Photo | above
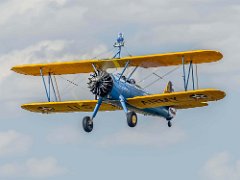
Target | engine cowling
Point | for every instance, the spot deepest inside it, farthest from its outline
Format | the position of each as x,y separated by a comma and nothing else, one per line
100,83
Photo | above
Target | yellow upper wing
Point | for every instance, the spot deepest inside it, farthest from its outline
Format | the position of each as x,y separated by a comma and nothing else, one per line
179,100
68,106
85,66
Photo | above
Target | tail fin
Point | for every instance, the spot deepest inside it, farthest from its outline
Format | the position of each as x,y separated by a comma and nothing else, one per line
169,88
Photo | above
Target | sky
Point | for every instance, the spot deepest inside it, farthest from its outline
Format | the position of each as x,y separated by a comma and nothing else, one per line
201,145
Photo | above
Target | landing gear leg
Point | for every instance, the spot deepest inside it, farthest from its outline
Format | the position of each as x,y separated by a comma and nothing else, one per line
87,122
131,116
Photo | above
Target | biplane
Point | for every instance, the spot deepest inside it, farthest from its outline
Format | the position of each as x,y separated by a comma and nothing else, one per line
115,91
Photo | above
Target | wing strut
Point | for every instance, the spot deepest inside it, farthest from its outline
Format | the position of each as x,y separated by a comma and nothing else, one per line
126,66
44,83
190,72
50,85
55,95
132,73
184,73
196,74
58,93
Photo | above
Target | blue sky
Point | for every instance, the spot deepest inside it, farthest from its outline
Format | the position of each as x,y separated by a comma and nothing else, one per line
201,145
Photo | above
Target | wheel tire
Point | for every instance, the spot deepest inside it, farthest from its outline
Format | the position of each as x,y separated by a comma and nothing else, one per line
169,124
132,119
87,124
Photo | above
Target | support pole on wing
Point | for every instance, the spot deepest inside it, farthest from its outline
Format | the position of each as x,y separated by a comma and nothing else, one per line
184,73
49,86
196,74
58,93
124,69
45,86
118,54
193,81
132,72
54,92
188,75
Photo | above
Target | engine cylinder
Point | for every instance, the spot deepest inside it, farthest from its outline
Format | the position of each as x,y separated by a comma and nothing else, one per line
100,83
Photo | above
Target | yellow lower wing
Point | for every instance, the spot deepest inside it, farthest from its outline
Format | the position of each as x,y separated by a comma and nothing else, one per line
180,100
68,106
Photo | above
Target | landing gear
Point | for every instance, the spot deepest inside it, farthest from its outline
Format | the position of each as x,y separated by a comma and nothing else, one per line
131,116
87,124
169,123
132,119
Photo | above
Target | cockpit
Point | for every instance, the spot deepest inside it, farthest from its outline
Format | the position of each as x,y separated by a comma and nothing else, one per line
130,81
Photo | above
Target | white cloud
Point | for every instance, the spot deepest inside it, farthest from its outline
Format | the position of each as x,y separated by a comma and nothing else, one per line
155,134
26,6
30,30
13,142
42,52
65,135
158,24
221,167
33,167
45,51
14,86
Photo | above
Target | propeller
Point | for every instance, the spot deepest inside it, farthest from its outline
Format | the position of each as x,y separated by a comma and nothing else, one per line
100,83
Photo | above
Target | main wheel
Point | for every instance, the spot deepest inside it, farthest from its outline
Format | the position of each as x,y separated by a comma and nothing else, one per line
132,119
87,124
169,124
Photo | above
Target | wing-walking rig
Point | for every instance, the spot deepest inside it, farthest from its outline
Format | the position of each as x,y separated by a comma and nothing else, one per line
117,92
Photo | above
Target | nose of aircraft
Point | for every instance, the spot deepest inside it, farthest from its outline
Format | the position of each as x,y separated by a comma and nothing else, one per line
100,83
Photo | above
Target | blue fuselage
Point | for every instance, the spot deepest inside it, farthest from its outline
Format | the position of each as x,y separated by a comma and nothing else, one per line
129,90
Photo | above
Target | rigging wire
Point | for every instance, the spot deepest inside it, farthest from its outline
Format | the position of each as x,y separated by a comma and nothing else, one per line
128,71
95,57
160,77
146,77
129,54
75,78
71,82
